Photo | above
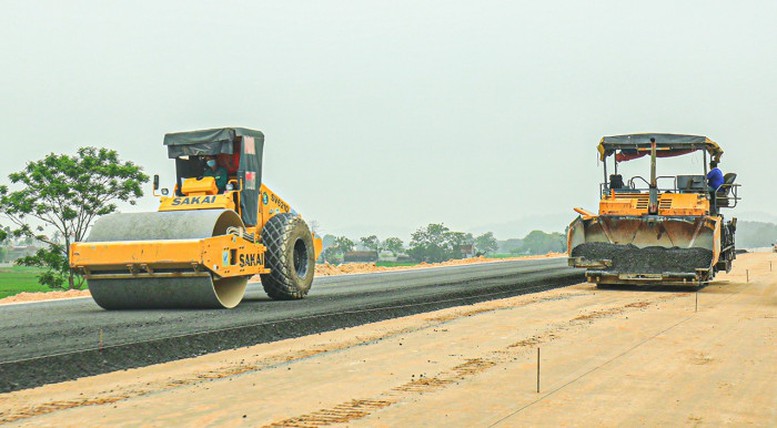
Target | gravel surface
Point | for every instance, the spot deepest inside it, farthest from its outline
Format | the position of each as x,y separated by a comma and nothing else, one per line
54,341
631,259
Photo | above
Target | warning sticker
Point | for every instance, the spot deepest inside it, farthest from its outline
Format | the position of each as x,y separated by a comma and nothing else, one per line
250,180
249,147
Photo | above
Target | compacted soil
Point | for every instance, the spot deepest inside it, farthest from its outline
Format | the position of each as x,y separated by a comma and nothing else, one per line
614,357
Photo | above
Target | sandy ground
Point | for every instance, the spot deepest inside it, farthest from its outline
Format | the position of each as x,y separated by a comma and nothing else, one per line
608,358
321,270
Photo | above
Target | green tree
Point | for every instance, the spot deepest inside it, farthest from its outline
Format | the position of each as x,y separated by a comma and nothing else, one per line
486,243
340,245
539,242
394,244
67,193
456,240
437,243
344,245
331,255
371,243
429,244
5,240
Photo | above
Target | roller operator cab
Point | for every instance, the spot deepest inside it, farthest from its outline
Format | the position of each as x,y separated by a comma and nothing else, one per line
659,230
220,226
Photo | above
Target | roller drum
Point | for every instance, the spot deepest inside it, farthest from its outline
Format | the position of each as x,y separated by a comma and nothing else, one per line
187,290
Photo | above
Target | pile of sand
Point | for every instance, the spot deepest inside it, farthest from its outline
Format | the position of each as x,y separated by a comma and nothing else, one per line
31,297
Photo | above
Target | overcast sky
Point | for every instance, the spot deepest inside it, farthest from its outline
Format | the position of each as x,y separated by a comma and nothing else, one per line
383,116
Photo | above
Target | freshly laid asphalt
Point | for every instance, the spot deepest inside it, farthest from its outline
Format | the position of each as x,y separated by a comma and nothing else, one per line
54,341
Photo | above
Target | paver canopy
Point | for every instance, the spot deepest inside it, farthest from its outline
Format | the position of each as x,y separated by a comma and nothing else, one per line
633,146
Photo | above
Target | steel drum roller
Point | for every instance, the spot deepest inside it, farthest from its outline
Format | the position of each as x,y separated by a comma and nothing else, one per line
184,289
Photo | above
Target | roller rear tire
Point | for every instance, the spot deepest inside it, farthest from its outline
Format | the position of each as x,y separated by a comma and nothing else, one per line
290,257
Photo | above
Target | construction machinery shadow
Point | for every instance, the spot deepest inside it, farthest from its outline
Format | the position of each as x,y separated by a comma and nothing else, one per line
656,288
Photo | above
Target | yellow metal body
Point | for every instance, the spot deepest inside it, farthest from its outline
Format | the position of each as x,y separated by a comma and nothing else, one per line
683,220
224,255
669,204
654,235
197,187
270,204
198,202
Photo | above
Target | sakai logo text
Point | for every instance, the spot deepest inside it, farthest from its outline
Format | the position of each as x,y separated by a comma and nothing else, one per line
193,200
249,260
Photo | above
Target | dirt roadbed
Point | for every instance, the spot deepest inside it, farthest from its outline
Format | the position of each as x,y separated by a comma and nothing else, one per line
608,357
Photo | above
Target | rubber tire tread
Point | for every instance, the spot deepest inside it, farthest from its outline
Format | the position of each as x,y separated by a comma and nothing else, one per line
279,235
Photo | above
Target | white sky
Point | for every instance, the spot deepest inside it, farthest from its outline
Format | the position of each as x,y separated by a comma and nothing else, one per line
384,116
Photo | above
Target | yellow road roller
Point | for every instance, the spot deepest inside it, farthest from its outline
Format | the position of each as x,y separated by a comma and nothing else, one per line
220,226
659,230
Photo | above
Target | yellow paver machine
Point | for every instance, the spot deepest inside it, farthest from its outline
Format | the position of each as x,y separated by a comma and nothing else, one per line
666,230
204,243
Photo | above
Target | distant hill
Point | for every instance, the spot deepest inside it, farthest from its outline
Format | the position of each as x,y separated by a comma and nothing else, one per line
754,234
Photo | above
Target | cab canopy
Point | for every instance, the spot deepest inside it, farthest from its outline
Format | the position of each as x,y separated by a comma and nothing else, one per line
210,141
633,146
238,150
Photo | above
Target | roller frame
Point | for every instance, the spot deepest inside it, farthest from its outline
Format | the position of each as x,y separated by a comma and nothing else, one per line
220,255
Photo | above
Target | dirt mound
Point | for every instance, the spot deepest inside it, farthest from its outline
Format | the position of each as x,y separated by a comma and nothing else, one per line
32,297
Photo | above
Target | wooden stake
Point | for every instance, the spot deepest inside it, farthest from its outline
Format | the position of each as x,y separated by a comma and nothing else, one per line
100,344
747,272
538,370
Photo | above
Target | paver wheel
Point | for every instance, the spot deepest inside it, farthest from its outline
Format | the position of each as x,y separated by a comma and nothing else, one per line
290,257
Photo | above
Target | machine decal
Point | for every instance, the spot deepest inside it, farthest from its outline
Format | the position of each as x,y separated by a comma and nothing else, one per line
284,206
194,200
249,260
265,198
225,258
249,147
250,180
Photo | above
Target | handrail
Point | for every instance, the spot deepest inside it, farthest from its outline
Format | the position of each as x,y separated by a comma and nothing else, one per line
734,196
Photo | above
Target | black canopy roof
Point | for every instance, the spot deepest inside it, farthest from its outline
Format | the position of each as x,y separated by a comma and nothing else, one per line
668,144
248,142
207,141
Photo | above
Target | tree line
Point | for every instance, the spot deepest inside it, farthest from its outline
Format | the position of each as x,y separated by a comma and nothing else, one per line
436,243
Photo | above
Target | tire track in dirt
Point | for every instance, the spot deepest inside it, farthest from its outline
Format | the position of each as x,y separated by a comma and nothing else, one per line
246,367
469,368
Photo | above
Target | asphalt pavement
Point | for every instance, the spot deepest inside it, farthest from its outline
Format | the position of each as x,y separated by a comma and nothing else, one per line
53,341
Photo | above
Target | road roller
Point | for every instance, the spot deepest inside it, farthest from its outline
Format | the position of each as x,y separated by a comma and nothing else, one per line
219,227
660,230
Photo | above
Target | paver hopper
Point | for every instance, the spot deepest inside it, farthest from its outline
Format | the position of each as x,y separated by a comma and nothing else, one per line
204,243
651,234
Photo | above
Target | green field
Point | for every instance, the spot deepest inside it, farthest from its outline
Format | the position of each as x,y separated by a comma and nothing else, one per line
16,279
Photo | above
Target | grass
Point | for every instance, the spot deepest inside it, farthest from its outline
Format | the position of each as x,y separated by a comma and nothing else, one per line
17,279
